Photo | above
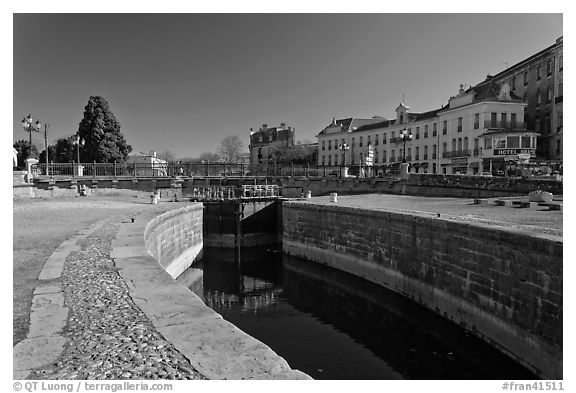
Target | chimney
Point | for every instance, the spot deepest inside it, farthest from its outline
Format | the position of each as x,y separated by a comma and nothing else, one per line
461,90
282,125
264,127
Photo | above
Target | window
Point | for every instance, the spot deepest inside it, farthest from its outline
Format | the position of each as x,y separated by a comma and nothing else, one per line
503,120
514,84
335,159
384,139
526,142
549,68
368,140
384,156
444,147
454,144
392,156
513,142
493,120
538,97
329,145
375,156
323,160
487,143
459,124
417,132
445,127
513,120
548,95
392,135
434,152
329,160
434,129
499,142
409,154
360,142
353,142
376,140
538,75
537,125
547,124
426,131
525,75
558,147
560,61
417,153
323,145
476,121
465,143
459,144
476,146
425,152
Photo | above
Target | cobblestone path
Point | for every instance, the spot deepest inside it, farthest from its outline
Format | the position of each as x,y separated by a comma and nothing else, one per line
110,338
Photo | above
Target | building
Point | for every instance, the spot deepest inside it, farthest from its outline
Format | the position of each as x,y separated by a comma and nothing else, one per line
538,80
480,130
148,164
264,141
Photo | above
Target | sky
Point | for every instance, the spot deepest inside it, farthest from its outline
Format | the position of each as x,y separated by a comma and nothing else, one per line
182,82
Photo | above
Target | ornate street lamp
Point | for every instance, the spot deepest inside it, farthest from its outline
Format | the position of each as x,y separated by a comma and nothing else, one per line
78,142
405,136
344,147
30,126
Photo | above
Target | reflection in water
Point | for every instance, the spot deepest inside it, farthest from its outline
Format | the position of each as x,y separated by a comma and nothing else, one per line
332,325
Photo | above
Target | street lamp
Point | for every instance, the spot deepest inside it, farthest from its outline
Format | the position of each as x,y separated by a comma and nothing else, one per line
344,147
78,142
29,126
405,136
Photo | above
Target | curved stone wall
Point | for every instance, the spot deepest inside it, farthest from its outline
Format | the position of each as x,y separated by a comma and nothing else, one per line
174,238
502,285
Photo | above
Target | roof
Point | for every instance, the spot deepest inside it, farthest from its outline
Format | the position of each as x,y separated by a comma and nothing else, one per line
427,115
380,124
351,124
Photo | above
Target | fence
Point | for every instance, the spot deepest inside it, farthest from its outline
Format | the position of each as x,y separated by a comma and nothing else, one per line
199,170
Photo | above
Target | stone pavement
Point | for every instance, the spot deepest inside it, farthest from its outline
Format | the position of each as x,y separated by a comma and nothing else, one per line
84,324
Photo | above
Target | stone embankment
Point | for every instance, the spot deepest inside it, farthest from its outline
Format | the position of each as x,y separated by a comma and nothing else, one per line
501,283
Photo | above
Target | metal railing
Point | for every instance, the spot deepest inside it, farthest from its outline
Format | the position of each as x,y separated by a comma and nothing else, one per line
457,153
198,170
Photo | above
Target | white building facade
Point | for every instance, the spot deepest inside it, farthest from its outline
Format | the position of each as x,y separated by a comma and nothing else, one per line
479,130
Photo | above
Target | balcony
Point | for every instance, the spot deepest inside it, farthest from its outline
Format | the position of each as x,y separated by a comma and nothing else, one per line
457,153
396,139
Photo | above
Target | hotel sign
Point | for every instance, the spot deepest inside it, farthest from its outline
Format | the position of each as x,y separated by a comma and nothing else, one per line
511,152
460,161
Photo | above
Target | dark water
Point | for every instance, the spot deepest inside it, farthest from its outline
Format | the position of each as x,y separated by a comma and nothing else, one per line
332,325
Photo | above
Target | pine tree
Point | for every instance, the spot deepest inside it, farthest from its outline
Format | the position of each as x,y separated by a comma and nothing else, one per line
101,132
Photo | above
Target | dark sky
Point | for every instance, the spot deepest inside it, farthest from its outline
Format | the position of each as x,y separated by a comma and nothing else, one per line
183,82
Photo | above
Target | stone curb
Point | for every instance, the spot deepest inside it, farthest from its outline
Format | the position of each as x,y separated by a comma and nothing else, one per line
48,315
215,348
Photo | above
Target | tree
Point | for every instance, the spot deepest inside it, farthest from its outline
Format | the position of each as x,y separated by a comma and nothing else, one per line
230,149
101,132
24,152
51,154
208,156
297,154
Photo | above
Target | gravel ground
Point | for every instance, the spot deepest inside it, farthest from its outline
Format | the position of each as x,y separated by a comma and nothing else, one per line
110,338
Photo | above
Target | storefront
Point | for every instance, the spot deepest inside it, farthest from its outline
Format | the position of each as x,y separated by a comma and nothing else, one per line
508,152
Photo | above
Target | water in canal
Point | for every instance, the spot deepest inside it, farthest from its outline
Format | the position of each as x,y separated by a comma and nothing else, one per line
332,325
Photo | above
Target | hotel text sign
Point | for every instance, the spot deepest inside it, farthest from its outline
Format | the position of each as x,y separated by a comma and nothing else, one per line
510,152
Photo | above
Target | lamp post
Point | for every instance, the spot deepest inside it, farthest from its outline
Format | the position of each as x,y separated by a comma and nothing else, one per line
78,142
405,136
344,147
30,126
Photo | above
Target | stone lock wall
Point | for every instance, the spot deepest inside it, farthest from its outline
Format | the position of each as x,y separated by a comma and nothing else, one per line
503,286
175,238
